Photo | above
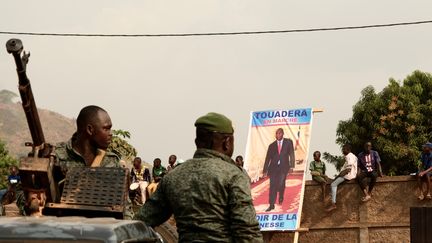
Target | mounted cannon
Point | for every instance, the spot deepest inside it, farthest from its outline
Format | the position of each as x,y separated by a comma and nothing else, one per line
36,170
46,189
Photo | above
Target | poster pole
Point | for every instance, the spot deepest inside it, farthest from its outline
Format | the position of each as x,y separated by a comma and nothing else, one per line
247,141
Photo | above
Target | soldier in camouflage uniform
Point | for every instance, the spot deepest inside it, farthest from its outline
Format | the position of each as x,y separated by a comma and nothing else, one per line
209,195
68,157
87,146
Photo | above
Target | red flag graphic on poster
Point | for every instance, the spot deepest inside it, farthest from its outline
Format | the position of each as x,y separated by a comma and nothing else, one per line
276,158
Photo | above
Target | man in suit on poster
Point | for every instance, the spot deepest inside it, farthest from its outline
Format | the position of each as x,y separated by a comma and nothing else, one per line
279,161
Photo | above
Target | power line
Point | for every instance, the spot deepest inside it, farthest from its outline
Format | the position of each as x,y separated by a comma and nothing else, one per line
221,33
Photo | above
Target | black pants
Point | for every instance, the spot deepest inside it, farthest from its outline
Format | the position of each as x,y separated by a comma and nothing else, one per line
363,179
277,185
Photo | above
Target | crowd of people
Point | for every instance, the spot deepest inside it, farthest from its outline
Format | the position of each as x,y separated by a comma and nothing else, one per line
143,183
365,168
209,195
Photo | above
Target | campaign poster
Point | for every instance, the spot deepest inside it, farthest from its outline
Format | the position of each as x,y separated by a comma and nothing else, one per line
276,159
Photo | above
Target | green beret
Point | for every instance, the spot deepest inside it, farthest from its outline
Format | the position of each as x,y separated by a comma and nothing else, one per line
215,122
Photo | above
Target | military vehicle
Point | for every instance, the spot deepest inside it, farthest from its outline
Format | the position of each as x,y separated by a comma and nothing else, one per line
79,207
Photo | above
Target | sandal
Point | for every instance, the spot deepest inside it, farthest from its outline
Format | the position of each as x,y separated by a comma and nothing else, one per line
428,196
421,197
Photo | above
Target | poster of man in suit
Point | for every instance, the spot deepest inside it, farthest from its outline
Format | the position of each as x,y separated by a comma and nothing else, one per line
276,156
278,162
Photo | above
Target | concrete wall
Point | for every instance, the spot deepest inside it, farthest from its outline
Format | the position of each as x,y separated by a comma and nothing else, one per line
385,218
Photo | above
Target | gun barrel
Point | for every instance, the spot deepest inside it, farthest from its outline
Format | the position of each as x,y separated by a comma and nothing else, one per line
15,47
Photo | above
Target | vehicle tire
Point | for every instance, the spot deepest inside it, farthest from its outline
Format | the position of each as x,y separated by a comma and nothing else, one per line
167,232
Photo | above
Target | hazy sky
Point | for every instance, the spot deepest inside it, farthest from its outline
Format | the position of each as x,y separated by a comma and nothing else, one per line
156,87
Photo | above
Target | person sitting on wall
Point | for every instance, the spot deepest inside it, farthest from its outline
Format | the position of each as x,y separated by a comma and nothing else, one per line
369,164
140,177
318,169
348,172
158,172
425,171
172,163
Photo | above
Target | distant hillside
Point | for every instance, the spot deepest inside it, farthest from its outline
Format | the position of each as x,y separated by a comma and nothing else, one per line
14,129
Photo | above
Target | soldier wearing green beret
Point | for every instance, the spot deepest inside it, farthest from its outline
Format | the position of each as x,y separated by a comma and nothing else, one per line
209,195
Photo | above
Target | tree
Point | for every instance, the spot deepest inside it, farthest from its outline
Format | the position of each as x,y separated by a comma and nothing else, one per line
120,146
337,160
397,120
6,162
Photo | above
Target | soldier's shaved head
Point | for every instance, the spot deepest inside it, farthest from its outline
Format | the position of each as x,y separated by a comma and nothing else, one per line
93,132
88,115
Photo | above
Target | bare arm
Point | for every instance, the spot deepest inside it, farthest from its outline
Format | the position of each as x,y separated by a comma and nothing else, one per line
315,173
344,172
378,160
425,171
380,173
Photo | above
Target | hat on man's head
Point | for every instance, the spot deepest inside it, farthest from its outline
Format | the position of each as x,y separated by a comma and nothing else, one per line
215,122
428,145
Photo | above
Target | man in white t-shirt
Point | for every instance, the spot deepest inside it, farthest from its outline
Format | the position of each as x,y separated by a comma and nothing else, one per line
348,172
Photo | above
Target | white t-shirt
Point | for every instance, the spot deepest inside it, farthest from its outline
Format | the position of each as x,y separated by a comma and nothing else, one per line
350,163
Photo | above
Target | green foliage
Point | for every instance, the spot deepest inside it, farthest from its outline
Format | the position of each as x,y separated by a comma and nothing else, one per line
121,133
120,146
337,161
6,162
396,120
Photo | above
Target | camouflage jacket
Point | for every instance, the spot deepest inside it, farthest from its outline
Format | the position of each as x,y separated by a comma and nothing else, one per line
67,157
210,198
